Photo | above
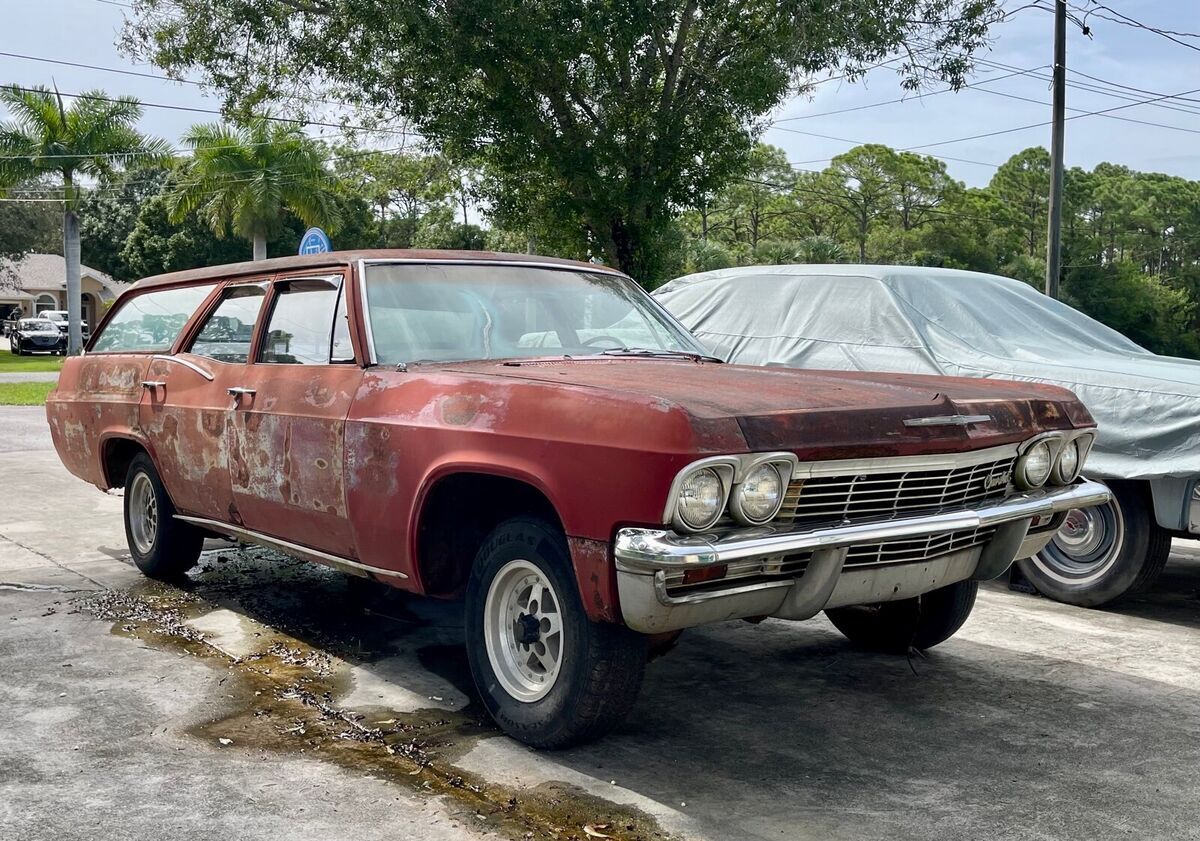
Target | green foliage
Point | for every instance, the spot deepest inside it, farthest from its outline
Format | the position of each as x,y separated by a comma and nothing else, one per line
242,177
605,115
25,227
1144,308
109,214
94,137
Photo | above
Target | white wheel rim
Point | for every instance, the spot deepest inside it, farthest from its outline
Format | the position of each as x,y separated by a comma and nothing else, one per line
523,631
143,513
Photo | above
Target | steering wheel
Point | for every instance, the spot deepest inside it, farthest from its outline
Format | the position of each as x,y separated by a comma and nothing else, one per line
604,338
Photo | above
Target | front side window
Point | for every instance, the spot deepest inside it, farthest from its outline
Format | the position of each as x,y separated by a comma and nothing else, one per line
446,312
151,321
229,330
304,324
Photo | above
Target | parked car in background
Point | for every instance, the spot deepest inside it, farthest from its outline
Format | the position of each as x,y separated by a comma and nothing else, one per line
61,319
538,436
941,321
36,335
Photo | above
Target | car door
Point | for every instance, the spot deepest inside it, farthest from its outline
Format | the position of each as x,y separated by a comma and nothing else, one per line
289,421
187,405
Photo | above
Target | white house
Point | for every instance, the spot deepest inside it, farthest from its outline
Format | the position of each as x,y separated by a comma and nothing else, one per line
40,284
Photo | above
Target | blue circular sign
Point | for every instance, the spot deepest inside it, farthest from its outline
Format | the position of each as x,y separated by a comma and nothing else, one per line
315,241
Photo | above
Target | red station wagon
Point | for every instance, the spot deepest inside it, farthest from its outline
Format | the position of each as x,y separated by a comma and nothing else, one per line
540,437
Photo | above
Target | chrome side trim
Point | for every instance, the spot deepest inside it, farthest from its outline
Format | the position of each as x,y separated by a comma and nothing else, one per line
186,364
345,564
366,311
651,550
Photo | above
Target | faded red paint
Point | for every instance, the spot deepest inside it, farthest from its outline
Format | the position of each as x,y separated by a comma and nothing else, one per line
340,458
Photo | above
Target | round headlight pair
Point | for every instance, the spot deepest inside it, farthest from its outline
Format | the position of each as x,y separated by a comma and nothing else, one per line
755,500
1039,465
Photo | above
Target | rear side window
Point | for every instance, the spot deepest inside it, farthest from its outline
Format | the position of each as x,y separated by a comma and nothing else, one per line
228,332
151,321
307,326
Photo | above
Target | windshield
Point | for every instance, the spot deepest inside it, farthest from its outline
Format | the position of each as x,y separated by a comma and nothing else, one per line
434,312
37,326
55,315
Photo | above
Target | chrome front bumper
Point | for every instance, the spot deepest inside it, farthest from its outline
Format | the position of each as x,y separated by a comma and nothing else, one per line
645,556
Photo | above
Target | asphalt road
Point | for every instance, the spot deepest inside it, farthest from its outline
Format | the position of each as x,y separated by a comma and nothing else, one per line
275,699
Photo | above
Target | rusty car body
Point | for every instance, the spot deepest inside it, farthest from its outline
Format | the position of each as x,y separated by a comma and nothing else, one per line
539,436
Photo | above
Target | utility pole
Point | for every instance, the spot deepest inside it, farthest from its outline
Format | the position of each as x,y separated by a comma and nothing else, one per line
1054,232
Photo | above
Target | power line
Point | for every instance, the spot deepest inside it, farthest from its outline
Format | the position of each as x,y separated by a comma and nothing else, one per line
901,99
290,120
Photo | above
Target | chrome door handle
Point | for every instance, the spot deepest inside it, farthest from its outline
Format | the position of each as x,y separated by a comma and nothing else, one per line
153,384
238,391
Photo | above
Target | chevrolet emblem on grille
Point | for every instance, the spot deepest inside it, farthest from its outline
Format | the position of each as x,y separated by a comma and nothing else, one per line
949,420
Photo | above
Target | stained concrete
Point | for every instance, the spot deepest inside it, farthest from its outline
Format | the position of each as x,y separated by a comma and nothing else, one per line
1038,721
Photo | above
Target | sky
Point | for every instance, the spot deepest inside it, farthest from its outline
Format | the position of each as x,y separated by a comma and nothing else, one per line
85,31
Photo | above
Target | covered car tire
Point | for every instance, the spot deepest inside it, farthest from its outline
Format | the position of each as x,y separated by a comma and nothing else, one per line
897,627
161,546
547,675
1103,554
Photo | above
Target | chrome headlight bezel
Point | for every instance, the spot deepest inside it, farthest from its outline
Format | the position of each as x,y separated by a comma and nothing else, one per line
732,470
737,506
1057,443
1021,475
721,478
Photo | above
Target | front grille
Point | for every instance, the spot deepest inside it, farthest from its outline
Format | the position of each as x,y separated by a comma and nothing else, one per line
915,549
866,496
870,496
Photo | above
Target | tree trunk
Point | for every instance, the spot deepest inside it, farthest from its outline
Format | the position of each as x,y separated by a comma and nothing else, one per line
74,298
260,247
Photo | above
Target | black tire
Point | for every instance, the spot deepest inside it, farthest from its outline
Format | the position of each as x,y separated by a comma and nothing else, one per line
900,626
600,665
172,547
1104,554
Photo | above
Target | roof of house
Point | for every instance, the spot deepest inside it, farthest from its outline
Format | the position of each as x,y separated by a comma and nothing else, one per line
343,258
38,272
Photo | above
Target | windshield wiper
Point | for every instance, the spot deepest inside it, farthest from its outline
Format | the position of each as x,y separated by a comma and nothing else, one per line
661,354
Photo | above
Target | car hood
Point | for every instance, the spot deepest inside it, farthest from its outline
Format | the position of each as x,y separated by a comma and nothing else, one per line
841,414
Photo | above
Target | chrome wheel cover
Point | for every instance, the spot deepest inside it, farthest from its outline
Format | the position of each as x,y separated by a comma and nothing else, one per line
143,514
1086,545
523,631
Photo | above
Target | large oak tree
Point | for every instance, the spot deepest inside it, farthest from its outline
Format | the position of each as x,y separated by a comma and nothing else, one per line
613,112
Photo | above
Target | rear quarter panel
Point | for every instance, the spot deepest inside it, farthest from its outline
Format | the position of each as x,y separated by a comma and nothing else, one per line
96,399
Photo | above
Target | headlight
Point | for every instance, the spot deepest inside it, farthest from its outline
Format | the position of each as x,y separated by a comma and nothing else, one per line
701,499
1033,468
1069,463
758,497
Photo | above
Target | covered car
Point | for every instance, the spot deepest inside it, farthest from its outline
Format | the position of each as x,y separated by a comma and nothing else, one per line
944,321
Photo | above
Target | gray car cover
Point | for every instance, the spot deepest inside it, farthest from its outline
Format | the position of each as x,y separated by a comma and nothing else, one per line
942,321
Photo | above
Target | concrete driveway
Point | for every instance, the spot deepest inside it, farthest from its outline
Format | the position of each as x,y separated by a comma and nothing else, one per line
269,698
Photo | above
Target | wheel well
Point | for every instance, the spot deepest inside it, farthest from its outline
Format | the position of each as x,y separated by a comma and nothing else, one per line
458,513
118,453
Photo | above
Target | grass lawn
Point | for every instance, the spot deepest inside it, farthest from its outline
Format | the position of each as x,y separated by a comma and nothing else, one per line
11,364
24,394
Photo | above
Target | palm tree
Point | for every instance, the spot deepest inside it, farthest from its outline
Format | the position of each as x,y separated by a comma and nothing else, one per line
93,138
244,176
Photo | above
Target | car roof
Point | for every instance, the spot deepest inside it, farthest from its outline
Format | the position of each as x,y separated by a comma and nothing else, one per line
339,259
